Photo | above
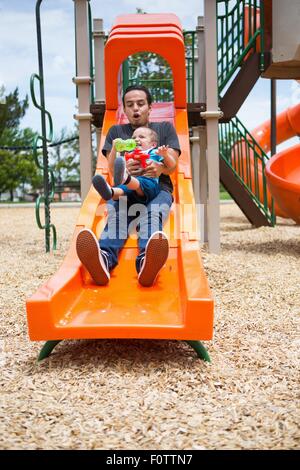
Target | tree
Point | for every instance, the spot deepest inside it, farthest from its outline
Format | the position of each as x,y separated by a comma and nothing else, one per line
152,70
12,110
17,165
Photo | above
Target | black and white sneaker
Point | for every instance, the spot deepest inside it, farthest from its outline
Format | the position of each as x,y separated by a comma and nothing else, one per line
156,254
120,172
92,258
102,187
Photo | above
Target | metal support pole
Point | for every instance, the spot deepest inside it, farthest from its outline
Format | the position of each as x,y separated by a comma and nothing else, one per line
203,185
195,153
201,60
273,116
202,178
99,37
83,81
212,115
199,171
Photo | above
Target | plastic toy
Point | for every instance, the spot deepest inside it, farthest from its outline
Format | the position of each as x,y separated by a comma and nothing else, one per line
138,154
125,145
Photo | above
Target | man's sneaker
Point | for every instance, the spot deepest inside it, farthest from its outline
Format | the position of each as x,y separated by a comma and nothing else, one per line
120,172
156,254
92,258
102,187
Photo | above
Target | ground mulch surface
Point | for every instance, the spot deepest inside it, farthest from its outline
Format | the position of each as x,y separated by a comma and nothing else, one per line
119,394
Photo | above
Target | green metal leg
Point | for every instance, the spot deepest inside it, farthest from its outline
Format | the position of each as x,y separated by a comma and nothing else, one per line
200,350
47,349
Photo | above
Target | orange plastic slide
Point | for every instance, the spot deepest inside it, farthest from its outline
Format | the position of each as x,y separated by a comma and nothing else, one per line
180,305
283,169
283,180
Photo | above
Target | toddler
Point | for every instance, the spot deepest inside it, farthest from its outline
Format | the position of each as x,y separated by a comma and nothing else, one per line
143,188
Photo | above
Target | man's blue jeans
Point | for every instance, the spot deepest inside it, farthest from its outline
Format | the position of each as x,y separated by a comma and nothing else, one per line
124,216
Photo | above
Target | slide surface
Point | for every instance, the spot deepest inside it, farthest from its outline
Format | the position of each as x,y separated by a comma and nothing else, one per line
178,306
283,169
283,179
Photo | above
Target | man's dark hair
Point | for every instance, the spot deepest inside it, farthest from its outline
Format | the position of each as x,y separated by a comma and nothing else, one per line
141,88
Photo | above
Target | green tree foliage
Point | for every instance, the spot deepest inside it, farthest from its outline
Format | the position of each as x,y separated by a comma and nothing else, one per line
153,71
11,110
17,167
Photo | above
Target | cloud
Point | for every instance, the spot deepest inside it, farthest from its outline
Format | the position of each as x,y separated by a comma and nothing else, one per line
61,108
295,92
19,60
186,11
18,51
256,108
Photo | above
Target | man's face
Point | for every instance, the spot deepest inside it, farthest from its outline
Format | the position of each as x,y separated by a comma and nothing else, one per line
136,108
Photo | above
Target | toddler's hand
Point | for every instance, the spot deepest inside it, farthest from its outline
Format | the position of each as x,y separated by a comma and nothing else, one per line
162,150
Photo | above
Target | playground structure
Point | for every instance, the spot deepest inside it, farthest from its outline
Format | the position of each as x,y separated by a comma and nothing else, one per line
69,305
283,170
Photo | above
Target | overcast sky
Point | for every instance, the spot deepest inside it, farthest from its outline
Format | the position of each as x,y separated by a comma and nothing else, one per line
18,53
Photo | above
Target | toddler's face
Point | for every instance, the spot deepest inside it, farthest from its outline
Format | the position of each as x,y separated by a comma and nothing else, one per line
143,138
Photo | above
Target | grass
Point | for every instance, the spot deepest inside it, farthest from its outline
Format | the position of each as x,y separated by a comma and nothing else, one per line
224,195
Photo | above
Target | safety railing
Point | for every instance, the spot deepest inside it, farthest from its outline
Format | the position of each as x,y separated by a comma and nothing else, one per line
240,30
161,89
247,160
190,38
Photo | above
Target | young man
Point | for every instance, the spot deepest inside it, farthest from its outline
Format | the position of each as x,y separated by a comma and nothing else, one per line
101,257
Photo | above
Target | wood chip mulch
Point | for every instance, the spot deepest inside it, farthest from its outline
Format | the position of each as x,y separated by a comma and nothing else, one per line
134,394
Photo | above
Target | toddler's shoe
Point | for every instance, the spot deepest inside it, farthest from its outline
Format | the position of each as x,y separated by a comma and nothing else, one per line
92,258
102,187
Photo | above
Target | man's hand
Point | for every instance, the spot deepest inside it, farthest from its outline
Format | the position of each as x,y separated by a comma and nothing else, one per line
134,167
153,169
